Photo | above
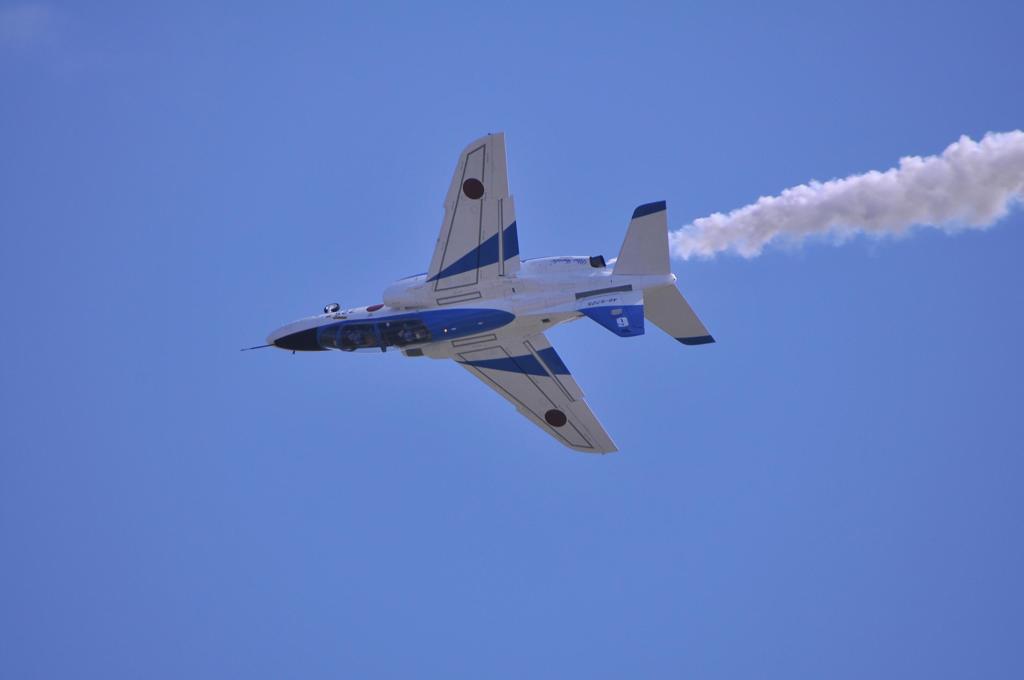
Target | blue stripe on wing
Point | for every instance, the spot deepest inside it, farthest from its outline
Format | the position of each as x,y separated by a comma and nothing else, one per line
484,254
526,363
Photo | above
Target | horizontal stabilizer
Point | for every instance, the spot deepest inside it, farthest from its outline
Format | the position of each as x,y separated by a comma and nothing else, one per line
667,309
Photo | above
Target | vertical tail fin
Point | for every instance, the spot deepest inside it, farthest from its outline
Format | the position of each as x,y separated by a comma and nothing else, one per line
645,249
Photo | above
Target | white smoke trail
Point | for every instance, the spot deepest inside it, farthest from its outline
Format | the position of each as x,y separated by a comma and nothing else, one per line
970,186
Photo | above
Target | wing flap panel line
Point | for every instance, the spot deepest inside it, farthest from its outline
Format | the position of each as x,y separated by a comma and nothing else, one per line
509,238
552,365
501,238
464,297
474,340
539,343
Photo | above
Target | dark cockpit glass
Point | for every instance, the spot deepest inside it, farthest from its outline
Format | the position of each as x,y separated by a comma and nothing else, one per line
402,333
349,337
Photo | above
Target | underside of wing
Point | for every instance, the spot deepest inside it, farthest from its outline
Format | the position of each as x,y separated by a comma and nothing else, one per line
478,241
529,373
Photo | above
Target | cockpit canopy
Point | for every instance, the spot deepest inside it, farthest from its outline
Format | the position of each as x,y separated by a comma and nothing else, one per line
350,336
331,308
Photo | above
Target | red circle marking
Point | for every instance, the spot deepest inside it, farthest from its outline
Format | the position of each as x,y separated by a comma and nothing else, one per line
473,188
555,418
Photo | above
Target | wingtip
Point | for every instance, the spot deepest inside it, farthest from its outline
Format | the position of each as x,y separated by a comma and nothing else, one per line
490,137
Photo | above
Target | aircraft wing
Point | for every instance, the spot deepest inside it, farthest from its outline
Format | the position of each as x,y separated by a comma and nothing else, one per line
478,240
529,373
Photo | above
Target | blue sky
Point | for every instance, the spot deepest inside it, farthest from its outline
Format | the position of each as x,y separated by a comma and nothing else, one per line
831,490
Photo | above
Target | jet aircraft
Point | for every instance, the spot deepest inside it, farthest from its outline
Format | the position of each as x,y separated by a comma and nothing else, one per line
485,308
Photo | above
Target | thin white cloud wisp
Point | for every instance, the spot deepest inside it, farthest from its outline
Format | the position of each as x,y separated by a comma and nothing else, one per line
28,24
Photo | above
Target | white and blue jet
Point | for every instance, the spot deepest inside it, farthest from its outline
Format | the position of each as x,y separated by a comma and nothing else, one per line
486,309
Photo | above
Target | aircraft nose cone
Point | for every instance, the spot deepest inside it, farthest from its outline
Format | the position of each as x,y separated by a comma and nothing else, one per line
299,341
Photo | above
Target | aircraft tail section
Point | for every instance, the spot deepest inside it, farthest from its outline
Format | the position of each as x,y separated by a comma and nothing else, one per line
645,249
624,317
667,309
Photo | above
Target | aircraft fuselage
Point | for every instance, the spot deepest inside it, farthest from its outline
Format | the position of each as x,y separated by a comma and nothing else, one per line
544,293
